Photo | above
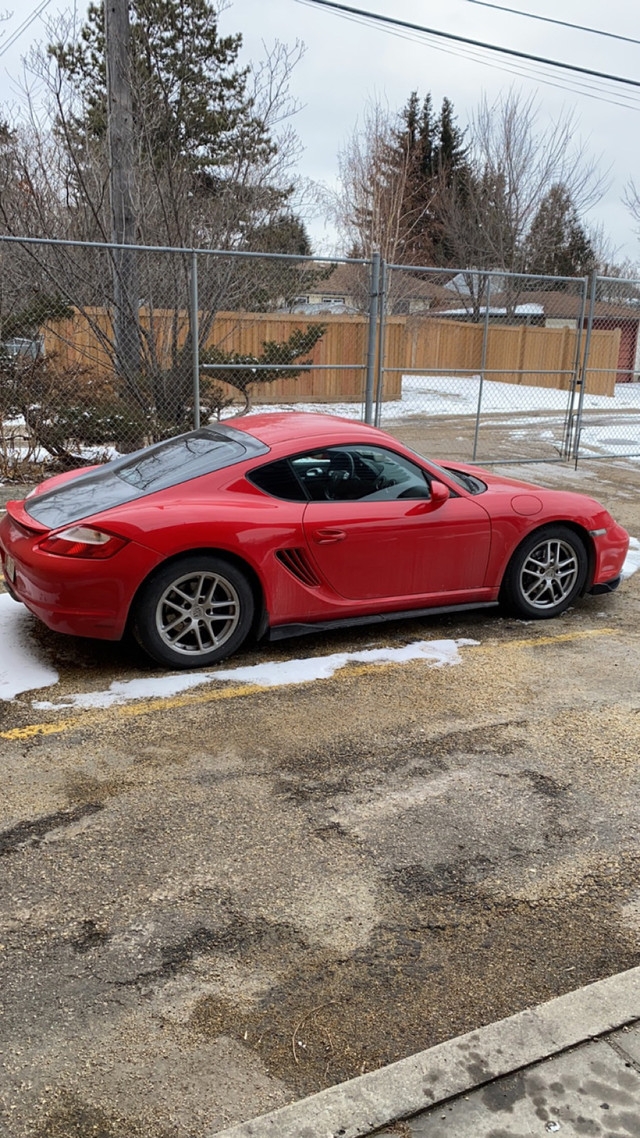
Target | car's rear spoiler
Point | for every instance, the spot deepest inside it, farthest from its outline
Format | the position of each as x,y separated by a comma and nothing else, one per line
17,512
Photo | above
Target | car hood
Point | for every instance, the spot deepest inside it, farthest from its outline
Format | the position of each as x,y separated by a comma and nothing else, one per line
524,495
494,481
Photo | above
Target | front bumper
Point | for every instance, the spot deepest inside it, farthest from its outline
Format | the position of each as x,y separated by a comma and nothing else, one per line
610,549
605,587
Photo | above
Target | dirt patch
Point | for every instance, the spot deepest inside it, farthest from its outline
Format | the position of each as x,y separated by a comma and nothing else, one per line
447,958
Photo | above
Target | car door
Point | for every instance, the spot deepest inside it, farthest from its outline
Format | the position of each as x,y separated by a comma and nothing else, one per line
376,530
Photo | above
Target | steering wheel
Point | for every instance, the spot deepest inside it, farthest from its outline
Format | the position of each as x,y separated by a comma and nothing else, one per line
340,474
383,483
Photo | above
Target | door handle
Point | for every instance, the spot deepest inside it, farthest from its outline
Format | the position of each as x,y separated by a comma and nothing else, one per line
328,536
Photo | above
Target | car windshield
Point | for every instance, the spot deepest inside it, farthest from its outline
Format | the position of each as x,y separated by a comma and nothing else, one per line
468,482
133,476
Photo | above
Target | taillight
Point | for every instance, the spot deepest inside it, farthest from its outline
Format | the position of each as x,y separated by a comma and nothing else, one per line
83,541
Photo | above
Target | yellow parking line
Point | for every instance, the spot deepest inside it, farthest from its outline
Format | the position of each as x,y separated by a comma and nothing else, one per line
533,641
146,707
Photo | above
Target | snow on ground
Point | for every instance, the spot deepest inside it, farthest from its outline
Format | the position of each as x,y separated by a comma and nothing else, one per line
37,455
270,674
455,395
632,560
21,665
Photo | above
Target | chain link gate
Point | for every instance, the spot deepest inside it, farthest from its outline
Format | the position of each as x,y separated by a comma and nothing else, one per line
611,359
481,366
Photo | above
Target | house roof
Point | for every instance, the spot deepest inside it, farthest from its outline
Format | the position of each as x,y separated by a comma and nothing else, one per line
347,279
518,310
560,305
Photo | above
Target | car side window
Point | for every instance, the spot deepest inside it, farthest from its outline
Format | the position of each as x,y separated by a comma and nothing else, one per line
345,473
359,473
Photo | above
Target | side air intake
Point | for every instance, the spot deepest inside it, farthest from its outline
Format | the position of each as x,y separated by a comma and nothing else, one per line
295,560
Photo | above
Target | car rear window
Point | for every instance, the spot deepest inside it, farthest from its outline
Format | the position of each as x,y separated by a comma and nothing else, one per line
133,476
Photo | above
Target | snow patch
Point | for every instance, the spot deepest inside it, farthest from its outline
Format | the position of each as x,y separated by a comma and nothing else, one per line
21,666
436,653
458,395
632,560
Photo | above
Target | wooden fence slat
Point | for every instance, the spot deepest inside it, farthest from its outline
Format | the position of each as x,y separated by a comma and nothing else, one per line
520,354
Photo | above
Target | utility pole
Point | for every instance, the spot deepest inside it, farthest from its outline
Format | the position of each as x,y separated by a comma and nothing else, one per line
121,185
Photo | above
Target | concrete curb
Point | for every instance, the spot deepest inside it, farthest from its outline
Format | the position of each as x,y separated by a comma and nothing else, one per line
361,1105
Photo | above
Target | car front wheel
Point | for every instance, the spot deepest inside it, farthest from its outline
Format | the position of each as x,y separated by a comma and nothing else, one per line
194,612
546,573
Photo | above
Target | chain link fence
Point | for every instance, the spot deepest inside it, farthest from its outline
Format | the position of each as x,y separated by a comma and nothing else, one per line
105,348
610,428
490,363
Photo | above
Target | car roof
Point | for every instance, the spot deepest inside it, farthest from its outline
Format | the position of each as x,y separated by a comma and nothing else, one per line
281,427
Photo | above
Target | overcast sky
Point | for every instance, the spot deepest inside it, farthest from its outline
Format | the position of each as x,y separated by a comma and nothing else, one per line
347,63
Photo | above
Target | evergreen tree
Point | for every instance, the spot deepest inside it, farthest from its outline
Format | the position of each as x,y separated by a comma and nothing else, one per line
285,234
208,169
433,148
190,97
450,153
426,138
557,244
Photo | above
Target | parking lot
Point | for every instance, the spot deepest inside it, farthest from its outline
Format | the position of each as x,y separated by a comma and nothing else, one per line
219,899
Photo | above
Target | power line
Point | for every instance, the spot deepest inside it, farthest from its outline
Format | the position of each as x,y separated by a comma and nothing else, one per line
550,20
377,17
562,82
529,71
15,35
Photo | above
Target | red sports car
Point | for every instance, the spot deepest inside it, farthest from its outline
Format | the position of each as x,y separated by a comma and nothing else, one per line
288,523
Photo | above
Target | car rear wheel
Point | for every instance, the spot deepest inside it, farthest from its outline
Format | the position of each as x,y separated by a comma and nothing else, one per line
546,573
194,612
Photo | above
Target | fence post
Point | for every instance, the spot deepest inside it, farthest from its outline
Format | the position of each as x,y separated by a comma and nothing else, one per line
382,329
585,364
485,337
194,328
371,349
575,379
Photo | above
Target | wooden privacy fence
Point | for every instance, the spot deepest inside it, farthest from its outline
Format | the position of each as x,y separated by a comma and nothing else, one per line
520,354
85,339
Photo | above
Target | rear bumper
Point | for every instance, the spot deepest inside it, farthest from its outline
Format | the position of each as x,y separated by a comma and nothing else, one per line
9,587
74,596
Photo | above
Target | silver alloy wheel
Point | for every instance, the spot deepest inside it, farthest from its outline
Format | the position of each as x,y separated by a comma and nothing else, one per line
549,573
197,613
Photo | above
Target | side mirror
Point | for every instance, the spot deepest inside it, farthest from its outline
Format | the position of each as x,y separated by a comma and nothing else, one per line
439,494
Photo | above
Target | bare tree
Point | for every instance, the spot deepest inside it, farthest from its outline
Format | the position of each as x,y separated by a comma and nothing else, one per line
631,199
516,161
372,207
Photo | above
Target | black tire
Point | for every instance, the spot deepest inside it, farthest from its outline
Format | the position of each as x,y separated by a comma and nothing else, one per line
546,573
217,606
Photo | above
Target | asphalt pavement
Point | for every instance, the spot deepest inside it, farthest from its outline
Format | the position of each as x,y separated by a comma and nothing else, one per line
218,901
569,1066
